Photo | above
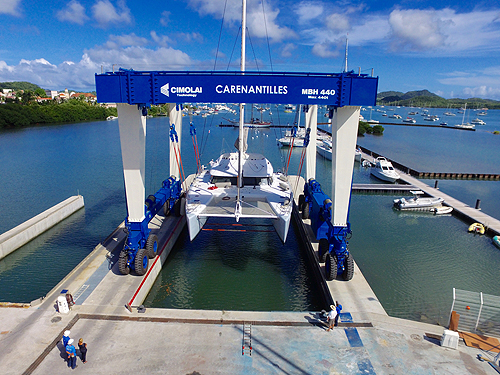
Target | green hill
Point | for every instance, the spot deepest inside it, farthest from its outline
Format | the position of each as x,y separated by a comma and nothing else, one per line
19,86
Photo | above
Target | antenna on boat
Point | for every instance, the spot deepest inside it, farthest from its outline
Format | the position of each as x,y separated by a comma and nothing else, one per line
346,43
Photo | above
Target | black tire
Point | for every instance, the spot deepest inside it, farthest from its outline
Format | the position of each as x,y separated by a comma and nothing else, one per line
348,272
141,262
152,246
330,267
122,263
302,200
166,208
305,211
323,249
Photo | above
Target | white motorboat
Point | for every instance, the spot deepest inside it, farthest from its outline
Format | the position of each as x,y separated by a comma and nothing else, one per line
324,148
240,185
410,120
417,202
478,121
384,170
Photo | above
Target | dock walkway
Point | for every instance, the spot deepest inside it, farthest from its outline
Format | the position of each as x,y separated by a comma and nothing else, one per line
460,209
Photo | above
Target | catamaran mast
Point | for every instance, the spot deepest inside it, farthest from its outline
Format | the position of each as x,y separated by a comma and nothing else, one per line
242,111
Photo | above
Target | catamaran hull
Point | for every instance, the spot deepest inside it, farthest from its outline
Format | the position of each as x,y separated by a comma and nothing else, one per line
281,225
195,224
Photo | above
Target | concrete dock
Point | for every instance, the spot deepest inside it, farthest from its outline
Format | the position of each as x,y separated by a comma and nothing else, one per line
367,341
25,232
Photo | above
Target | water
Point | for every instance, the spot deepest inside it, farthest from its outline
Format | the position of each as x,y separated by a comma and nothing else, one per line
412,262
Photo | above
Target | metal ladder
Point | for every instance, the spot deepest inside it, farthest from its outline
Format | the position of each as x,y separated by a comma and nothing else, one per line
247,339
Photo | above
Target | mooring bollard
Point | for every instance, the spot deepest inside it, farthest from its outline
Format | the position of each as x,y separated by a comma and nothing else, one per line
436,184
478,204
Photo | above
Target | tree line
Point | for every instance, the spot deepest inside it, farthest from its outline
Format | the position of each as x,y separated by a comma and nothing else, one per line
26,112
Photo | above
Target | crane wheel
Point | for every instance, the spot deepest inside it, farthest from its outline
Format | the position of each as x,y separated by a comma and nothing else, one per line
305,211
348,272
141,262
302,201
122,263
323,249
152,246
330,267
166,208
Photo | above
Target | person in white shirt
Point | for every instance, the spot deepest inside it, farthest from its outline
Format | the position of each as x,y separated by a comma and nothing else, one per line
331,317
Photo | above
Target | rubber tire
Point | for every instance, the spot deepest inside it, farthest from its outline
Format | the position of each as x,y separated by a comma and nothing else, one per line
330,267
348,272
122,263
152,246
141,262
302,201
166,208
305,211
323,249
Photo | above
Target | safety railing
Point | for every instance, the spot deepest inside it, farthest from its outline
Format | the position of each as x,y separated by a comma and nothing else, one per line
479,312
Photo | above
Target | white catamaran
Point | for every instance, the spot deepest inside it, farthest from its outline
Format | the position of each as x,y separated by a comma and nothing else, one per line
240,184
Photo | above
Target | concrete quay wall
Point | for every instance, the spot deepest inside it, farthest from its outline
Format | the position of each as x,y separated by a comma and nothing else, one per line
25,232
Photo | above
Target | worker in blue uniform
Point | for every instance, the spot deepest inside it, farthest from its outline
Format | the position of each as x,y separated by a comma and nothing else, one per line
70,350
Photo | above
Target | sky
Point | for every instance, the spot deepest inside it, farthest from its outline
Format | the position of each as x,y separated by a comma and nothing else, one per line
451,48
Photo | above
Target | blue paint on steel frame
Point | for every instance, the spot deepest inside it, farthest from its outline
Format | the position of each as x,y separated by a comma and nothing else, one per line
138,232
320,213
140,87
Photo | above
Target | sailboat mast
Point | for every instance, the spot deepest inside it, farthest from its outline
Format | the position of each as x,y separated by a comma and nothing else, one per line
242,105
345,69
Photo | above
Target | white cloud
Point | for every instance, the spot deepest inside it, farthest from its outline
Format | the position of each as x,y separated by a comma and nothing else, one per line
324,50
191,37
107,14
161,40
308,11
288,49
416,30
338,22
484,83
74,12
126,51
165,18
10,7
259,25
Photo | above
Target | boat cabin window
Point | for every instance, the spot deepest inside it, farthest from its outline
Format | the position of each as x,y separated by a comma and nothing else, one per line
222,180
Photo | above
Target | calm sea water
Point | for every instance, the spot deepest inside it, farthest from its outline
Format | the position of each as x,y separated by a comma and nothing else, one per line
411,262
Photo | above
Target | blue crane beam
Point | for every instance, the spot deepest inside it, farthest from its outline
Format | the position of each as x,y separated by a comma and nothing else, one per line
159,87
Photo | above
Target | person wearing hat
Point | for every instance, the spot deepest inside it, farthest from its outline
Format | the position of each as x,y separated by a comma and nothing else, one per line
332,315
70,350
65,338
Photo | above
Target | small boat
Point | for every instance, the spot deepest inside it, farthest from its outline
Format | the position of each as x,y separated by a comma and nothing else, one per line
384,170
416,202
357,155
109,118
410,120
441,210
496,241
478,121
477,228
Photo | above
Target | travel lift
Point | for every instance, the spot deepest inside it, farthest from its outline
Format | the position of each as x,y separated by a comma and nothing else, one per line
134,91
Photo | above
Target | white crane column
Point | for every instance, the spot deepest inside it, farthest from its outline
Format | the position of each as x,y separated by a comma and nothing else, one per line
344,132
312,123
175,117
132,126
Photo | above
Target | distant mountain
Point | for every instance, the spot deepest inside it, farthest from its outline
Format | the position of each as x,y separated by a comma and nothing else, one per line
19,86
425,98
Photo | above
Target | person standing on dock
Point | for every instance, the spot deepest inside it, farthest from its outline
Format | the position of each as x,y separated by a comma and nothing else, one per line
70,350
83,350
338,309
65,338
332,316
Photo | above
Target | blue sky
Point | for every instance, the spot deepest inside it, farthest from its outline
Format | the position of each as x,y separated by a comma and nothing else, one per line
451,48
